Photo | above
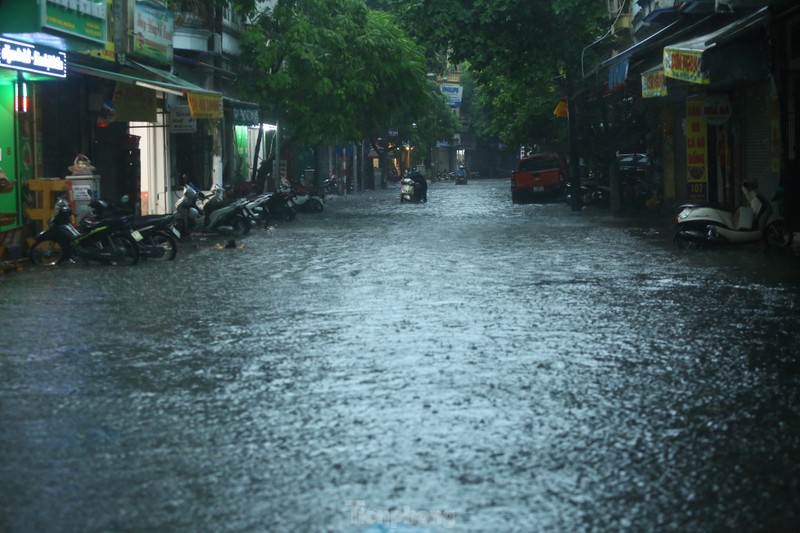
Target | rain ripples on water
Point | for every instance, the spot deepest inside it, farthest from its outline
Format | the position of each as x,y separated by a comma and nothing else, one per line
466,364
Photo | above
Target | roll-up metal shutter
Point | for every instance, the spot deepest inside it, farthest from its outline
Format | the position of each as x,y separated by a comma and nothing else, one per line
755,134
679,148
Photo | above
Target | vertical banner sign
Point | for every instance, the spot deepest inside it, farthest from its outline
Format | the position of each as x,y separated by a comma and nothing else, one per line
696,150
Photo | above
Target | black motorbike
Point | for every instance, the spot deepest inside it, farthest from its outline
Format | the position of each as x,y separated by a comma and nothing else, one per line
107,241
156,235
282,206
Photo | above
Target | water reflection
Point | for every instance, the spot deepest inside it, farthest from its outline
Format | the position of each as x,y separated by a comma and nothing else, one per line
523,367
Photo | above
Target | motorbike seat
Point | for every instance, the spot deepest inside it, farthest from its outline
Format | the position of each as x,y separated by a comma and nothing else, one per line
115,221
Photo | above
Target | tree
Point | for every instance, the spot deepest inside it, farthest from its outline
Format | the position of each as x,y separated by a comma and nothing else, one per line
519,52
332,70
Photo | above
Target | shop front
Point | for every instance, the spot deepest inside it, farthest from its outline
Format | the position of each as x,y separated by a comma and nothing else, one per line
23,67
722,82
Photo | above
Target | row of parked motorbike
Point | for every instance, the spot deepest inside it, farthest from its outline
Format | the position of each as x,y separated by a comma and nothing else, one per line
702,225
111,234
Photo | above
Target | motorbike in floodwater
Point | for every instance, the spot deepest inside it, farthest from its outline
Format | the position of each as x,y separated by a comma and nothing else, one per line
257,204
156,235
305,197
407,193
413,190
213,215
702,225
107,241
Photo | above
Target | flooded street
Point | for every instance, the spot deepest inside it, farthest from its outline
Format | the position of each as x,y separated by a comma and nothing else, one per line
461,365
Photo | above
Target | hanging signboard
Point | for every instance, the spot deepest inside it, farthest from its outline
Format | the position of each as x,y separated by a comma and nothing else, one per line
654,84
180,120
686,65
696,150
133,103
205,105
716,109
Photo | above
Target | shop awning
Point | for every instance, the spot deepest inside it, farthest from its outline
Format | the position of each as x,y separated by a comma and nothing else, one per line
202,102
686,60
648,43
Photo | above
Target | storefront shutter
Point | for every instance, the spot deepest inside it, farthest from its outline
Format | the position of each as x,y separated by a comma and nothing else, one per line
755,134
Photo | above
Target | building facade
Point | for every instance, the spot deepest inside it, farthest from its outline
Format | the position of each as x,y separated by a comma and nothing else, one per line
144,91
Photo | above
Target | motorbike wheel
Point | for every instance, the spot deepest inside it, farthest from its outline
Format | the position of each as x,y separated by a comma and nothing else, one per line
241,226
124,249
163,240
778,235
47,252
315,206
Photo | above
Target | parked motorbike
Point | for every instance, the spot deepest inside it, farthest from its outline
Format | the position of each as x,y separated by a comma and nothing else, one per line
331,185
281,206
702,225
591,194
107,241
305,197
213,215
156,235
258,205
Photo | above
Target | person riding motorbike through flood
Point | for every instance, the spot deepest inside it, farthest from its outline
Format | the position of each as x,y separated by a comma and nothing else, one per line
420,185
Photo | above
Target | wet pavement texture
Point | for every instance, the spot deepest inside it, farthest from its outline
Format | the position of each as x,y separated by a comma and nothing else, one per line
461,365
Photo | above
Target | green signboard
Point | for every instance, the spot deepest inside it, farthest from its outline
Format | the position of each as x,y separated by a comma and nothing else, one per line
81,18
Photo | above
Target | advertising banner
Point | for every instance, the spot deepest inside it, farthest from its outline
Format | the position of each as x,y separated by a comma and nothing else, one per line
452,94
22,56
134,104
654,84
205,105
686,65
696,150
153,26
86,19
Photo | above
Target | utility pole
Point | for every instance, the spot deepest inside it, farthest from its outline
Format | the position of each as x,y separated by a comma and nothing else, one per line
572,147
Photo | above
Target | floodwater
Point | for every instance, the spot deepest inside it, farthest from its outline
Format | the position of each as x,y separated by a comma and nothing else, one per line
461,365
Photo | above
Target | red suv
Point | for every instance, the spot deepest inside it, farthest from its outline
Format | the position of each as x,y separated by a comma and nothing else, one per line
542,174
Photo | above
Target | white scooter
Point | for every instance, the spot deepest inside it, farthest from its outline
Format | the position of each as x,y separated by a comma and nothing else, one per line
213,216
699,225
407,193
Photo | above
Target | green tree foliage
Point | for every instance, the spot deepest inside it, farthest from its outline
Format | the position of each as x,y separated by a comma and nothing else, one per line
333,70
520,53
